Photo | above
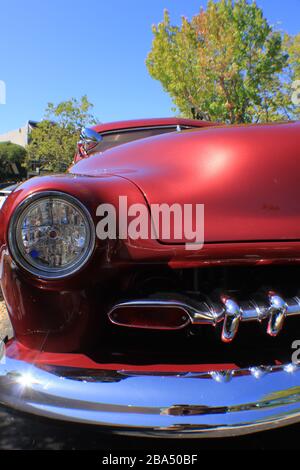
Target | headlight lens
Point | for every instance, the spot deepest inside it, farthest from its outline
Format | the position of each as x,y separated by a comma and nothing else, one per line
51,235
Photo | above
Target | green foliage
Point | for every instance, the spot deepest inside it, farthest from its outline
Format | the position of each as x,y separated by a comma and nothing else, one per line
11,154
225,64
53,141
292,87
292,46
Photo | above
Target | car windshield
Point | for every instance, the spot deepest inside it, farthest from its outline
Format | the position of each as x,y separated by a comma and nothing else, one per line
112,139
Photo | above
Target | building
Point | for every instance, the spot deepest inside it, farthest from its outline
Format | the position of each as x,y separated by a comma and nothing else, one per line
19,136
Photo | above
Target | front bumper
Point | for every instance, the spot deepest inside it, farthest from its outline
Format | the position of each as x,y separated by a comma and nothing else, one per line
147,404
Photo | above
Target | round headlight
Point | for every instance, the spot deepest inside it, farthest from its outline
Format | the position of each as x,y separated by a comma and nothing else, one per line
51,235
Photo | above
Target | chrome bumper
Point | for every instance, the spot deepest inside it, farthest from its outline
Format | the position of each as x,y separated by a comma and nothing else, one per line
215,404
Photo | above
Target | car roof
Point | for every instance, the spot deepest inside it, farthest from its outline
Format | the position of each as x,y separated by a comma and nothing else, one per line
153,122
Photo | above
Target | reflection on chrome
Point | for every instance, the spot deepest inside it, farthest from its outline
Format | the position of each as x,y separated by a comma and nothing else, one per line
51,234
26,380
172,404
290,368
222,377
2,352
259,372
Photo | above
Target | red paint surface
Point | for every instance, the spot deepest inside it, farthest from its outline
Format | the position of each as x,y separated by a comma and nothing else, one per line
247,176
16,350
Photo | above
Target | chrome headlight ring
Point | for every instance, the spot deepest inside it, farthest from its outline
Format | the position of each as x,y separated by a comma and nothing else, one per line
56,248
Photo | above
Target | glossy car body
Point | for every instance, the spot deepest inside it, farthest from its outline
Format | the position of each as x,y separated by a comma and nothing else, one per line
69,360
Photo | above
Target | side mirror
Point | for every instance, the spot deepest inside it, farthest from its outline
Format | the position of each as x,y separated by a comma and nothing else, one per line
89,139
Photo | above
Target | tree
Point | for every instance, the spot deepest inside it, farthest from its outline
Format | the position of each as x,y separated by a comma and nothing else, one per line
53,142
226,64
12,158
292,47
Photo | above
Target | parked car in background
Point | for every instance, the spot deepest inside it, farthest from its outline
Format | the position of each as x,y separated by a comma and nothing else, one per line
151,336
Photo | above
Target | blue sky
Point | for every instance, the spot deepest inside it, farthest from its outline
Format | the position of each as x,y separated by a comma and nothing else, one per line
52,50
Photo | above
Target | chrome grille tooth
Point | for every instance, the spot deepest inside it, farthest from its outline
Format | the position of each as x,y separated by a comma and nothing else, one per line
222,376
233,315
290,368
277,313
259,372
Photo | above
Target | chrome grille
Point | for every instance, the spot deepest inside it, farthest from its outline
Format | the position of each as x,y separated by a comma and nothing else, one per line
228,311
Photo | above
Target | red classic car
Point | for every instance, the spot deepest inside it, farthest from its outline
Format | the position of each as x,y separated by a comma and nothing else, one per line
145,328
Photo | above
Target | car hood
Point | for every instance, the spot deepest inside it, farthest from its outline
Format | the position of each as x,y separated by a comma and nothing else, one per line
247,177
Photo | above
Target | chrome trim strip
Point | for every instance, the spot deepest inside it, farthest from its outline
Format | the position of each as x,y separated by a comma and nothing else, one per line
2,200
176,405
272,308
277,314
232,319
